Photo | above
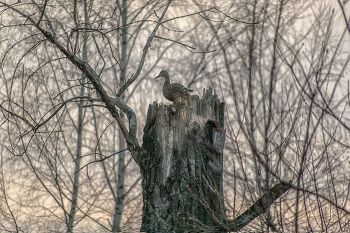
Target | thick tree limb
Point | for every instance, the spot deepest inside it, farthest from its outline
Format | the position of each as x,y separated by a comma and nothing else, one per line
90,73
260,206
127,110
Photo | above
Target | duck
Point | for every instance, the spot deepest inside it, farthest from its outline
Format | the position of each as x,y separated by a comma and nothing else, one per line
173,91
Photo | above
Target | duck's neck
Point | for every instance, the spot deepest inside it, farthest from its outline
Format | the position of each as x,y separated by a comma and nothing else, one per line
167,81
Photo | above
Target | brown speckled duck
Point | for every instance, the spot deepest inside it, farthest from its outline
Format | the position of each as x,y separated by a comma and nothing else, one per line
172,91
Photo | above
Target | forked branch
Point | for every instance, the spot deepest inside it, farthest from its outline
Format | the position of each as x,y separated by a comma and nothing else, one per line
89,72
145,49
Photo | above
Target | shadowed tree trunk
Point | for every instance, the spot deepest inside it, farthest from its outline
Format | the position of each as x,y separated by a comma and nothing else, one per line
182,162
74,200
119,205
182,167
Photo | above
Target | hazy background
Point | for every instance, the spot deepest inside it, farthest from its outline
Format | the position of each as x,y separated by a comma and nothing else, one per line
282,67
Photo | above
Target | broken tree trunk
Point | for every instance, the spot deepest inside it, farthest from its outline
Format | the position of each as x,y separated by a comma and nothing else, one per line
181,166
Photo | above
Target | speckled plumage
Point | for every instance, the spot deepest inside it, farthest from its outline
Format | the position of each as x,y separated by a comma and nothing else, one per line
172,91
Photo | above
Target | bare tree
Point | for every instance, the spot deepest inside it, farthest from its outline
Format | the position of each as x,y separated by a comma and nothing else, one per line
285,115
62,81
288,112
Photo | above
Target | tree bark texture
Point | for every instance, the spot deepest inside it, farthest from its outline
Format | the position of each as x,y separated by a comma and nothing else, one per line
181,166
119,205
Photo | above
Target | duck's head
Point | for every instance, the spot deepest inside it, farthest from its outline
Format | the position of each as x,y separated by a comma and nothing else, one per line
163,74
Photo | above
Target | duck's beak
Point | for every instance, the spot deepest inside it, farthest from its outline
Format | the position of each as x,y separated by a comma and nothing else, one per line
157,77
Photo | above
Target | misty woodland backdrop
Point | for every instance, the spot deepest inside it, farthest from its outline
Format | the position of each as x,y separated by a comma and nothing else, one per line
281,66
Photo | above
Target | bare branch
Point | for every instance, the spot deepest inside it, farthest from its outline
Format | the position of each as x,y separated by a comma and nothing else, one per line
145,49
94,78
347,21
260,206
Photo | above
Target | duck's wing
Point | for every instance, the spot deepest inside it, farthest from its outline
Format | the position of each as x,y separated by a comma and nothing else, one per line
180,88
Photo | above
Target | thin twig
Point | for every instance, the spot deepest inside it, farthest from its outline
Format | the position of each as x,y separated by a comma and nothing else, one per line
145,49
96,161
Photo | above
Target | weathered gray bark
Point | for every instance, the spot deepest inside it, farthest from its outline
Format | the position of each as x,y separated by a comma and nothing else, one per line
261,206
119,205
77,161
181,166
75,190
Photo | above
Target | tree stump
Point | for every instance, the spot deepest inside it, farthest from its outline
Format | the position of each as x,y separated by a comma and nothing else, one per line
182,164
